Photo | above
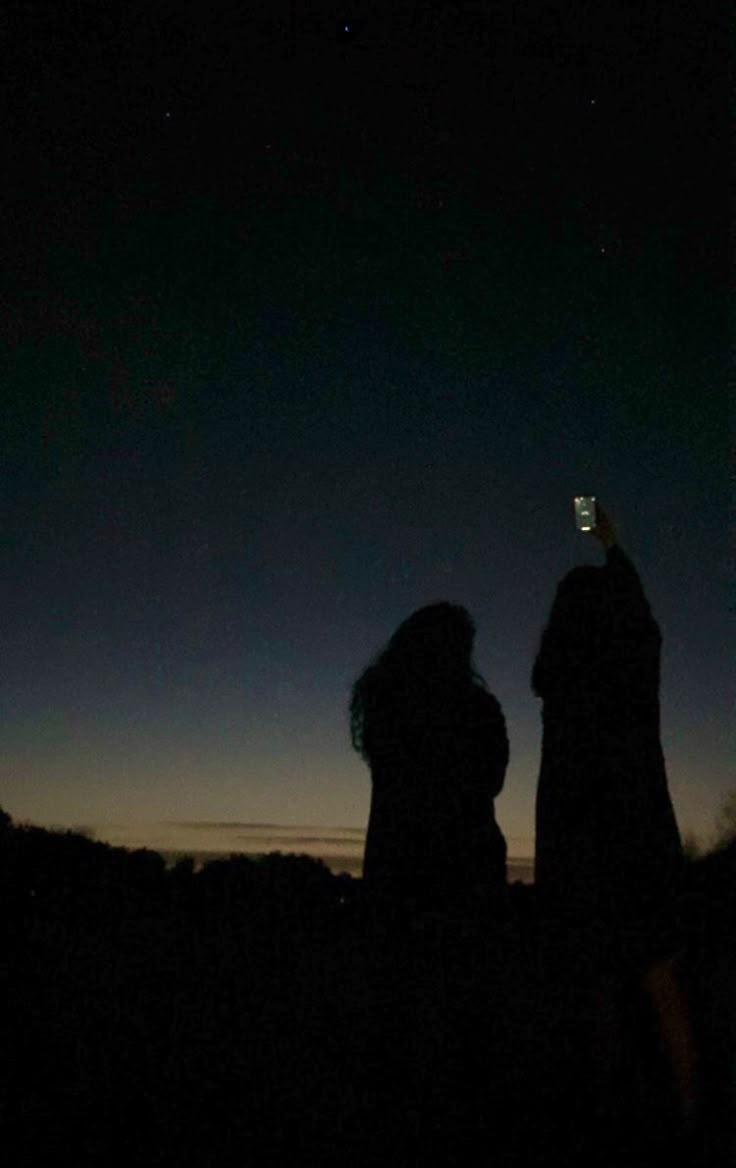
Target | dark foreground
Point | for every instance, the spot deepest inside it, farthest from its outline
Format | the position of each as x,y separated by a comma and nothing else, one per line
259,1012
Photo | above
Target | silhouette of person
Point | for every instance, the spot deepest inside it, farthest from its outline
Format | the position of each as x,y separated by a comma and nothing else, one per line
436,743
608,852
607,843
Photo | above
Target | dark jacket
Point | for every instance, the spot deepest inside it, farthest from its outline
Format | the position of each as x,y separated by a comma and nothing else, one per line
436,768
607,844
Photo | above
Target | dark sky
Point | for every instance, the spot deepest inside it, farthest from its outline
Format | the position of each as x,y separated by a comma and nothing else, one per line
303,328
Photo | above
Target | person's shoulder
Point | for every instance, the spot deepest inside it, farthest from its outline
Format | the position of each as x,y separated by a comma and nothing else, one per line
486,704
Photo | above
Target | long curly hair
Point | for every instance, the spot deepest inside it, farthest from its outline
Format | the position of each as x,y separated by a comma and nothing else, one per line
427,662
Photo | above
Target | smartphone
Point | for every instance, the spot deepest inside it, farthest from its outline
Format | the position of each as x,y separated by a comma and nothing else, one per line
585,513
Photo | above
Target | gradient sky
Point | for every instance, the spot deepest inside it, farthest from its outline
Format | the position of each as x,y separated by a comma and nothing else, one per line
302,330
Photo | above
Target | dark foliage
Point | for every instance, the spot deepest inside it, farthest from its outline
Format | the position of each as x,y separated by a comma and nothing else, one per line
263,1012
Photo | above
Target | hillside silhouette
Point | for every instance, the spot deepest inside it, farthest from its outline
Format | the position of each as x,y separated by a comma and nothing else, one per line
261,1010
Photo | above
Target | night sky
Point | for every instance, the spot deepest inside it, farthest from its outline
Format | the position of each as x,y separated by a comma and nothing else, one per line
312,314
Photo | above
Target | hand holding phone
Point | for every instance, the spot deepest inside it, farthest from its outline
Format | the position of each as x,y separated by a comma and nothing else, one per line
590,516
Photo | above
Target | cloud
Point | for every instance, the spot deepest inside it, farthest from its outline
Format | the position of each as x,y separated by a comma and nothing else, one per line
277,840
237,825
217,825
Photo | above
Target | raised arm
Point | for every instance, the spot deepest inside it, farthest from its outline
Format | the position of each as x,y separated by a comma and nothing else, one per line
632,651
604,530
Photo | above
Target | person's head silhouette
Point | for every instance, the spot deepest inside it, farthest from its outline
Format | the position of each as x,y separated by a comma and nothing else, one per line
428,657
436,640
584,619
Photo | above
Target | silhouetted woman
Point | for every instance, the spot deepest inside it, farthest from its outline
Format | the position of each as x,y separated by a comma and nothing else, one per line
608,852
436,743
607,844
